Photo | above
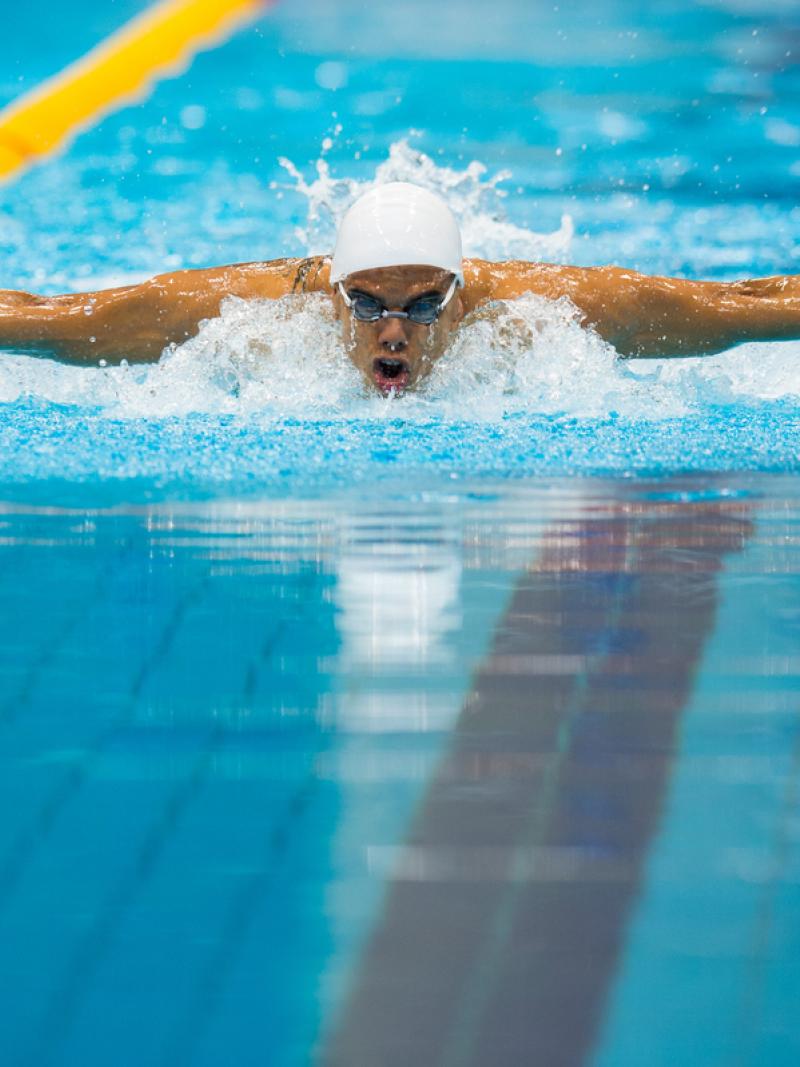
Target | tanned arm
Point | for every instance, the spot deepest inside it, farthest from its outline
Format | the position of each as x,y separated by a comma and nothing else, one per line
645,316
659,317
137,322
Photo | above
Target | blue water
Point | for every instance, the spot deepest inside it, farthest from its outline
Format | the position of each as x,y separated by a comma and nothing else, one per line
459,728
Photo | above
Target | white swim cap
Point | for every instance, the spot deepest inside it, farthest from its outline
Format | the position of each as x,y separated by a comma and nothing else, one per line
396,225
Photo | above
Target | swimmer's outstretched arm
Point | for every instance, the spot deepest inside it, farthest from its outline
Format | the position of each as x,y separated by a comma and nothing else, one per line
137,322
662,317
643,316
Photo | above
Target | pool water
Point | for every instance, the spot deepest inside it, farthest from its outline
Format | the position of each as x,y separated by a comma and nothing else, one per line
457,728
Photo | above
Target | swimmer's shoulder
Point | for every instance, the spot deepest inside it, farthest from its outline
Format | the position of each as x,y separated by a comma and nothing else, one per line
258,280
505,280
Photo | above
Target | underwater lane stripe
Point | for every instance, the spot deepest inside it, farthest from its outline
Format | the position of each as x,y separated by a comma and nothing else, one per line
508,907
159,42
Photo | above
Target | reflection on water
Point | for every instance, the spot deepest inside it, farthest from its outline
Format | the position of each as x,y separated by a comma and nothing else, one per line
496,775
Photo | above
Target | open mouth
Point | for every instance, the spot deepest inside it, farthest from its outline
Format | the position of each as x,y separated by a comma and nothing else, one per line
390,374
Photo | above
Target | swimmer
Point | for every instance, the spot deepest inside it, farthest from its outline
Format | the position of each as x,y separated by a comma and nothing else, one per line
400,287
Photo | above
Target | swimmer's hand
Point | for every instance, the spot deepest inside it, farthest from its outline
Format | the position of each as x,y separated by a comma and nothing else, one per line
138,322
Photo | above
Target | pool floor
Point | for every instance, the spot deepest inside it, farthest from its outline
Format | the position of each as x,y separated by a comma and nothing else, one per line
498,775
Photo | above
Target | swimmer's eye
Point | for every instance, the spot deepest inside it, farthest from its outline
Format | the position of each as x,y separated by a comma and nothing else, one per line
425,310
365,308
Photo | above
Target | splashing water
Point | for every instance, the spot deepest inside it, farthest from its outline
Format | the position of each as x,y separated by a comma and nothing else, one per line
522,387
258,355
286,357
474,198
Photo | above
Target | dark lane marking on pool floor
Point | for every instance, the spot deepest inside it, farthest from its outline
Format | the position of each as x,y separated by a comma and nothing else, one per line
51,647
507,906
75,982
33,836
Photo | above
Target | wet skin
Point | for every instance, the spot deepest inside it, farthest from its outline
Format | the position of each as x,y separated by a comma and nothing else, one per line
396,354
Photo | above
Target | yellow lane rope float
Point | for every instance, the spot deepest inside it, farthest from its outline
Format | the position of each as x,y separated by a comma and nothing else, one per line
161,41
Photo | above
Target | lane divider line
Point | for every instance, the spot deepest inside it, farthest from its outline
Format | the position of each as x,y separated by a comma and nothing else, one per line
160,42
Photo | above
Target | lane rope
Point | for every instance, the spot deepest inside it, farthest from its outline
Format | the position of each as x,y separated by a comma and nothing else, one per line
160,42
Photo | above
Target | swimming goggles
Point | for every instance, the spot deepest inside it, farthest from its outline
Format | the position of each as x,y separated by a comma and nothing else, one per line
424,311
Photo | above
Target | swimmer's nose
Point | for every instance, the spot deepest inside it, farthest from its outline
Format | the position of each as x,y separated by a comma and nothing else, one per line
392,336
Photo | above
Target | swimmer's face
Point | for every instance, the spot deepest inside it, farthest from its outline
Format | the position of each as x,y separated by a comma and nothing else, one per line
395,354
